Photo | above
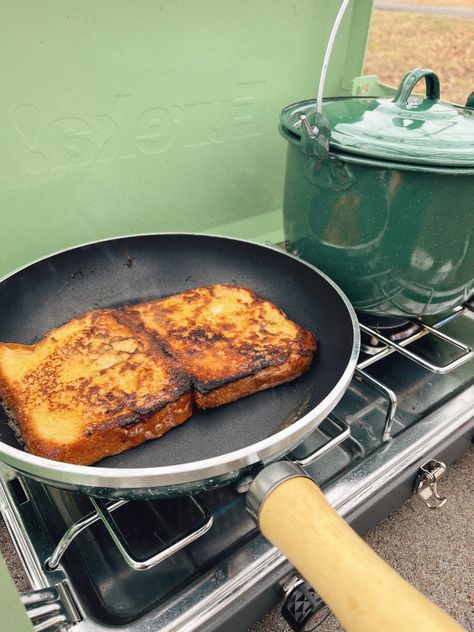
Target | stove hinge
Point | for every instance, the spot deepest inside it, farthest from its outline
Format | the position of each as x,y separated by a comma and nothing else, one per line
51,609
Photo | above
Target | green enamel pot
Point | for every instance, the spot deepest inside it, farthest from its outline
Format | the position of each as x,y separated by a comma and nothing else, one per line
379,194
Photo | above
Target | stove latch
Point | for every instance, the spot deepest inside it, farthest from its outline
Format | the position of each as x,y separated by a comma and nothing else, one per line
303,609
51,609
427,483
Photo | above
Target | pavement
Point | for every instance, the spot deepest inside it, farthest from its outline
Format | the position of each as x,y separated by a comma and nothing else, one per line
458,12
433,550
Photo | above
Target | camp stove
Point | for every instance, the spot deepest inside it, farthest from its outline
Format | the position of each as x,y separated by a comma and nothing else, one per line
199,563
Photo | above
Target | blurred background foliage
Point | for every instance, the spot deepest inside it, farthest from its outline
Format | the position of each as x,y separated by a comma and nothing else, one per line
401,41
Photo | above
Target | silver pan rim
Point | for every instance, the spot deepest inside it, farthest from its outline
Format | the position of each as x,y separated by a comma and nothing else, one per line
227,465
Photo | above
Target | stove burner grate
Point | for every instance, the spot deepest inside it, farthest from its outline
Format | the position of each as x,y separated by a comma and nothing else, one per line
395,332
391,341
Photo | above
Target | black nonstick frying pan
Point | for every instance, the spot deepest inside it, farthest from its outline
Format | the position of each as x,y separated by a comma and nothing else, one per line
214,446
247,437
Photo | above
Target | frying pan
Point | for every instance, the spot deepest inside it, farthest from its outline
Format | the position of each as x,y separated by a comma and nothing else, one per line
215,446
247,437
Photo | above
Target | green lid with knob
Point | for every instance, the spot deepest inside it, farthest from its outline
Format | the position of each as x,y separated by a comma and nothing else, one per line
404,128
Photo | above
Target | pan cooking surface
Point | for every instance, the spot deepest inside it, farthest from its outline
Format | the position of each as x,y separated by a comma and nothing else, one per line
136,269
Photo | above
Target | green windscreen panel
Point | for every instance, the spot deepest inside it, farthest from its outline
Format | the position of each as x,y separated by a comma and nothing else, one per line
128,117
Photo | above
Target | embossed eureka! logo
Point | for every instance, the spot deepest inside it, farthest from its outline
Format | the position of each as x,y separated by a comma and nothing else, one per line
62,143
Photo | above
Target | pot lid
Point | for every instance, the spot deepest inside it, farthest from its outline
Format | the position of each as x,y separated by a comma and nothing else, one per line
404,128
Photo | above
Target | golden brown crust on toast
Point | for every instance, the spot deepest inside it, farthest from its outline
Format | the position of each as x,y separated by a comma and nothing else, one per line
109,439
95,386
230,341
109,380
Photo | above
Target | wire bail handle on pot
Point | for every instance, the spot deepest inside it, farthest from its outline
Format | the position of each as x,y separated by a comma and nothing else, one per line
325,170
316,137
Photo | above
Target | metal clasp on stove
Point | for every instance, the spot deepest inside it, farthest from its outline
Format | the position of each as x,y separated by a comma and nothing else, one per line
427,484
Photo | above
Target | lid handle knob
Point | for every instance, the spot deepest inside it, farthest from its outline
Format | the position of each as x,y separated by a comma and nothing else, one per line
411,79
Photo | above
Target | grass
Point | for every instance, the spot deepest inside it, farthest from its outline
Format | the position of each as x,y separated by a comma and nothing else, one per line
399,42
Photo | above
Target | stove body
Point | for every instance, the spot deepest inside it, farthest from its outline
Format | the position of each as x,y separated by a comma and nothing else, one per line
96,566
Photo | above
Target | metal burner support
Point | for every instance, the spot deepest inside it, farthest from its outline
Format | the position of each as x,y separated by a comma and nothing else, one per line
425,329
53,562
389,394
337,430
334,428
142,565
103,512
391,346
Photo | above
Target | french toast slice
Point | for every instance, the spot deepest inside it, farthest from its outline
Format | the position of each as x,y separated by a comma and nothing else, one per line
231,342
91,388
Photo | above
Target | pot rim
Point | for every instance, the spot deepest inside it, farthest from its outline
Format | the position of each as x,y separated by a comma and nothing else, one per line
292,133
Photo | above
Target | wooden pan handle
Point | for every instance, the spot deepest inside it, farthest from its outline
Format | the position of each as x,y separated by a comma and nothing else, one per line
365,594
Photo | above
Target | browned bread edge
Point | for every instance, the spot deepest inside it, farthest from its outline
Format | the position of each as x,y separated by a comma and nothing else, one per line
210,396
107,439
